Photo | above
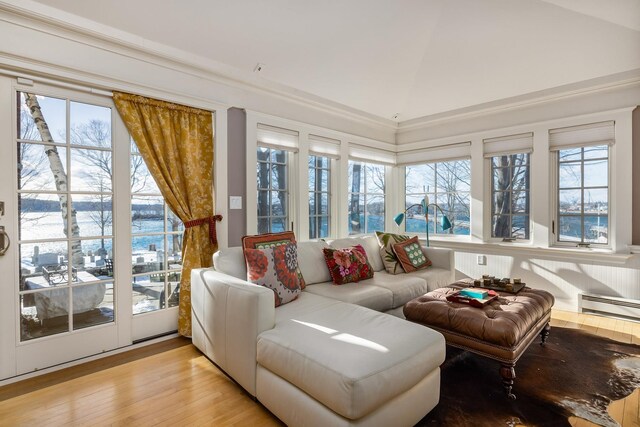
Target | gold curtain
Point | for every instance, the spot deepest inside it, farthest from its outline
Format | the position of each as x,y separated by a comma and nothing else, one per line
176,143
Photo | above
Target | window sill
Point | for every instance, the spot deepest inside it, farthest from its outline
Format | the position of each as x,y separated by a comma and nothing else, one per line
573,254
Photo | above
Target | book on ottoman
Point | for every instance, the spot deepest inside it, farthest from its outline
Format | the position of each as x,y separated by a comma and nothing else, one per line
474,293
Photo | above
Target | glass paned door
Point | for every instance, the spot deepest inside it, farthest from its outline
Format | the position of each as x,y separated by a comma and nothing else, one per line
60,274
65,215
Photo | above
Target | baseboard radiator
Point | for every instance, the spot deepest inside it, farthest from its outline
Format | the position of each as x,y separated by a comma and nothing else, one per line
610,306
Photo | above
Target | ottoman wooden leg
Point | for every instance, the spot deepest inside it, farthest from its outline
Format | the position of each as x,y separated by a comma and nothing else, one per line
544,333
508,374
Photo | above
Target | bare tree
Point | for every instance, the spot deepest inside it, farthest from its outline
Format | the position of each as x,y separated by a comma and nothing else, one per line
510,183
450,176
31,161
60,178
354,203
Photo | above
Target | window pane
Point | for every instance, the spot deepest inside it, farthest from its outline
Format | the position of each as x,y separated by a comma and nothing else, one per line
263,203
595,173
596,229
356,213
92,305
570,228
596,201
147,214
570,175
570,154
520,226
90,125
263,225
278,203
596,152
312,179
355,179
375,213
278,225
36,256
41,216
501,226
95,260
54,113
324,226
520,202
279,177
147,292
44,313
141,179
173,289
173,222
91,170
34,166
374,176
94,214
570,201
278,156
262,175
147,253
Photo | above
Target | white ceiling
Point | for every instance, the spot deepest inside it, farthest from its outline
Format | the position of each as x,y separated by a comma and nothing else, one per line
412,57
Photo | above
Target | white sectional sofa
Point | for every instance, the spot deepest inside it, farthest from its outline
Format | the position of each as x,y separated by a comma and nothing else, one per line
330,357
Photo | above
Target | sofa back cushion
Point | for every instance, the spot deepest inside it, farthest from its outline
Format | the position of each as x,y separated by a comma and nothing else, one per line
311,262
231,261
370,245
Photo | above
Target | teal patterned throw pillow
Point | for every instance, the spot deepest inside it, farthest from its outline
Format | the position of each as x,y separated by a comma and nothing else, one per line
410,255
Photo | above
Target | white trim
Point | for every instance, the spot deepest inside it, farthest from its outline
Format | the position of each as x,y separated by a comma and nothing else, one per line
83,360
220,171
617,81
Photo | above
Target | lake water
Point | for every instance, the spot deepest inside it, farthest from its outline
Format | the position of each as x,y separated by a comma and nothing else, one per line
49,225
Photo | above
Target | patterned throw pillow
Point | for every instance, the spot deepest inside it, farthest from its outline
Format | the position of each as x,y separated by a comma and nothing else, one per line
410,255
275,268
271,240
389,259
348,265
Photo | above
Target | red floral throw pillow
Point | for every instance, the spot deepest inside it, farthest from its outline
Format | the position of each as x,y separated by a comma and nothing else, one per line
277,269
348,265
271,240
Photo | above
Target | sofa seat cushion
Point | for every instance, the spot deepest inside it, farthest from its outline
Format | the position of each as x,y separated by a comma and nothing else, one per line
404,287
360,293
435,277
349,358
305,303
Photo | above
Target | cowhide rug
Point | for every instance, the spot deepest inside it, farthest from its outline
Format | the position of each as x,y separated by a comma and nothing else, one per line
575,373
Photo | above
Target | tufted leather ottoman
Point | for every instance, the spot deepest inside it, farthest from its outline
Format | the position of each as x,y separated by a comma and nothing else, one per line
502,330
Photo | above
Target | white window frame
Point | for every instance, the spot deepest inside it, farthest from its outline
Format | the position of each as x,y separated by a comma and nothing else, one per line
491,213
365,193
433,212
289,172
555,194
329,191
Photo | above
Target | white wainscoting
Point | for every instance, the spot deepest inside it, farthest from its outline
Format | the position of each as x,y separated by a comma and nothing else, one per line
563,277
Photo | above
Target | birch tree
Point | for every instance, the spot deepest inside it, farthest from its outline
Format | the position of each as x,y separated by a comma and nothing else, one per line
61,180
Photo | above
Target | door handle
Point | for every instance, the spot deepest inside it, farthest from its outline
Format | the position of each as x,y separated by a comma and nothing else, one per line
4,246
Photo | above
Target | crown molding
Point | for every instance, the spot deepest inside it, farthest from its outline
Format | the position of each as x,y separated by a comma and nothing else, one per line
600,84
45,19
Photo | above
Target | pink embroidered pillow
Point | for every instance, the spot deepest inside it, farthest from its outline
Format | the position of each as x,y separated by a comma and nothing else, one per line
348,265
277,269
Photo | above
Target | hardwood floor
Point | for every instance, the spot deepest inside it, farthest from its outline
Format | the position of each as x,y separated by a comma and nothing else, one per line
171,383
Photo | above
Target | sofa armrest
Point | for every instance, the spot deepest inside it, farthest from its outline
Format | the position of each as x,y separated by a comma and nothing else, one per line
442,258
227,316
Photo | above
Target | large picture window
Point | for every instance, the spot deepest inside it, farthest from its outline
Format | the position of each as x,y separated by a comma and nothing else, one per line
366,183
273,194
583,195
510,196
447,184
319,196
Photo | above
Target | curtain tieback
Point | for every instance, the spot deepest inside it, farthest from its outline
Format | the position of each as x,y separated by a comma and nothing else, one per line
211,220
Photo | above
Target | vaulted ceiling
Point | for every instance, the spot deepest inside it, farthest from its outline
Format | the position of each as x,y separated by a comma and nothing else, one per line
411,57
